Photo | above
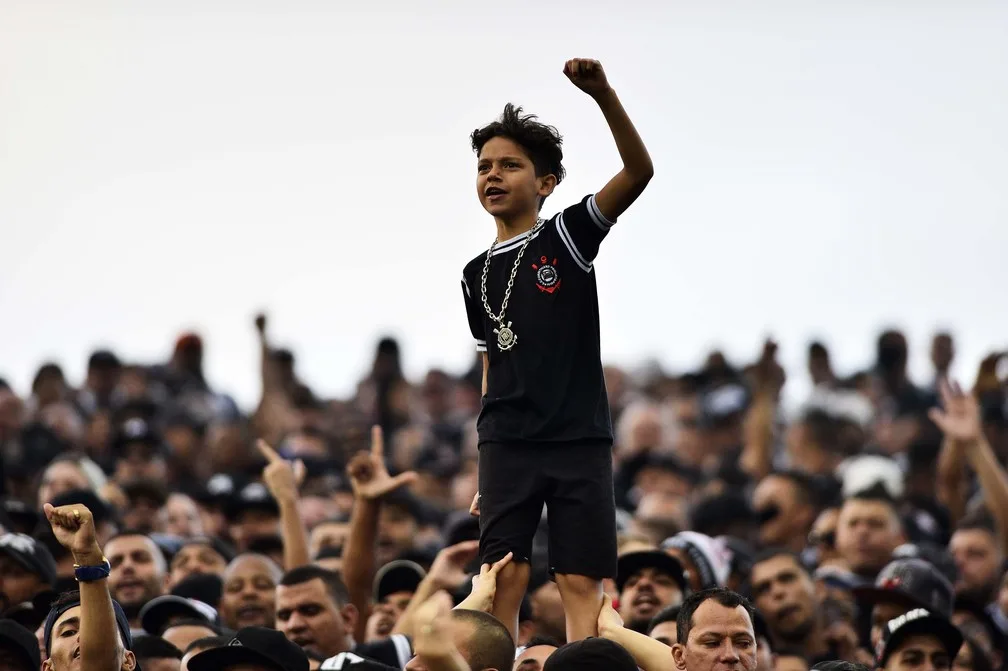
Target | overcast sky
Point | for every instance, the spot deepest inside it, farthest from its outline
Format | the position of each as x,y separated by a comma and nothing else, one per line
823,169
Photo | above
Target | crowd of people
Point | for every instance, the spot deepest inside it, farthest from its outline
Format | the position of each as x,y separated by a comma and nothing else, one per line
869,529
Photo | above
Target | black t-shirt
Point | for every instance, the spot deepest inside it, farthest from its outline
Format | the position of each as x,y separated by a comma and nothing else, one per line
549,387
393,651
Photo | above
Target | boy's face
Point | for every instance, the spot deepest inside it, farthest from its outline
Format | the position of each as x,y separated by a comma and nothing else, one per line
506,182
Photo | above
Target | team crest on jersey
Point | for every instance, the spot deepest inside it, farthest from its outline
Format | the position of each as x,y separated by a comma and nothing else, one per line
547,276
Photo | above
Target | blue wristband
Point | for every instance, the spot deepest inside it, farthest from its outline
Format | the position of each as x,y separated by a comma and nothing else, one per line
93,573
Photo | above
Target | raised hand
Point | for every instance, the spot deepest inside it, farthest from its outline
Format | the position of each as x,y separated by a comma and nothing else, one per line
608,620
283,479
587,75
959,416
448,570
433,641
484,586
369,478
73,526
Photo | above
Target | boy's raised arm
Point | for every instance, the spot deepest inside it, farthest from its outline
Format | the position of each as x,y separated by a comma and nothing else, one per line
628,184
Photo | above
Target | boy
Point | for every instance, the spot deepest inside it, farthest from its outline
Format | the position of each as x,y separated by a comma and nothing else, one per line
545,435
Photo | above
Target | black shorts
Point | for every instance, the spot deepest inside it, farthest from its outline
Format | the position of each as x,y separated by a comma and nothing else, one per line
574,481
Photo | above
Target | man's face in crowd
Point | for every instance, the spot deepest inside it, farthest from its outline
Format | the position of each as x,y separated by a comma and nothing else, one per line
249,595
386,614
880,615
644,594
141,514
17,584
195,558
327,535
666,632
308,616
181,517
65,645
919,653
139,462
183,635
60,477
978,560
138,571
792,517
721,639
396,531
785,595
867,533
533,659
254,524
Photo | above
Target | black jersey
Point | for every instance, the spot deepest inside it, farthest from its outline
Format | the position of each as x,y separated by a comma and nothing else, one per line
392,652
549,387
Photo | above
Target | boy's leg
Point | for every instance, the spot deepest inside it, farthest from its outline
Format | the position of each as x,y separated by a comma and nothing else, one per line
582,527
511,503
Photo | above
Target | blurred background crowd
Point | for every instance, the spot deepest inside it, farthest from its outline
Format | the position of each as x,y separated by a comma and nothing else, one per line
877,494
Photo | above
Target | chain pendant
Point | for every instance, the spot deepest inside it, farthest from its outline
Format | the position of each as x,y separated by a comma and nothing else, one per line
506,338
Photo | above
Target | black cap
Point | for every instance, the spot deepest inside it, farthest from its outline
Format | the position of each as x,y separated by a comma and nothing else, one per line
30,554
910,582
205,587
839,665
634,562
21,516
32,613
136,430
397,576
253,496
160,611
460,527
348,660
22,643
101,512
146,489
916,622
258,646
591,654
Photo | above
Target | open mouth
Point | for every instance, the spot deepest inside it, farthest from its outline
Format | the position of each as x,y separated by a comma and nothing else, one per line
251,613
645,601
494,192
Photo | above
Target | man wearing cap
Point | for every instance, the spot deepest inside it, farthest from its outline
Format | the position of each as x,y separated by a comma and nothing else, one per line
706,560
647,582
87,625
252,513
903,585
19,651
394,586
252,649
198,555
919,641
27,569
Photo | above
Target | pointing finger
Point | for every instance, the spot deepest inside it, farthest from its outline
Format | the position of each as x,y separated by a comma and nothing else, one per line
268,452
377,442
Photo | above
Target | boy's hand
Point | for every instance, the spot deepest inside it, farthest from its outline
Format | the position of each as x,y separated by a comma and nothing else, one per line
587,75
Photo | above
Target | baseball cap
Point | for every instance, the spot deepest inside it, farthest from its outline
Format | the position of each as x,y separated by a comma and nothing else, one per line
634,562
253,496
22,643
916,622
253,645
205,587
348,660
590,654
400,575
159,612
122,622
30,554
911,582
101,512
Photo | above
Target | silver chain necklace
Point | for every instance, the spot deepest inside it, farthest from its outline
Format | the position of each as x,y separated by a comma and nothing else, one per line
506,337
